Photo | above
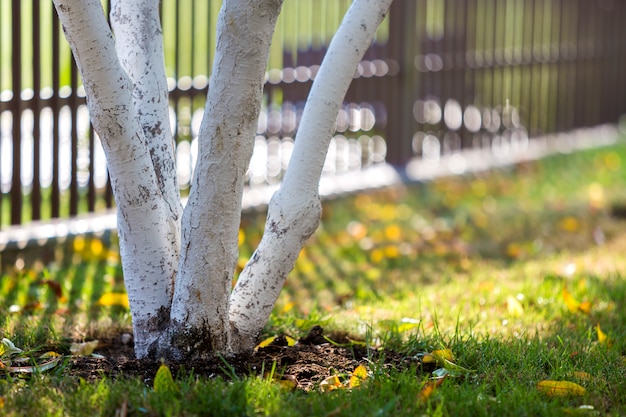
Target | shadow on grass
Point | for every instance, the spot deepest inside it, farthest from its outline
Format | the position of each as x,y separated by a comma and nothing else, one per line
45,306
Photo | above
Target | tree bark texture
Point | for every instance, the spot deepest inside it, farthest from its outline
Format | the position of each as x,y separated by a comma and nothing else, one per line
147,224
212,216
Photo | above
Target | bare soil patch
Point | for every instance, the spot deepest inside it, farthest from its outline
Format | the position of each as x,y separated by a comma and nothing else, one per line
306,364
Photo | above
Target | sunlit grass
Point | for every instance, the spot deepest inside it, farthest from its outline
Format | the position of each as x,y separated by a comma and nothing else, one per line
518,272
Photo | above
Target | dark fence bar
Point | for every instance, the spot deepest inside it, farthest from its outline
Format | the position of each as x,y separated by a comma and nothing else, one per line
441,76
15,105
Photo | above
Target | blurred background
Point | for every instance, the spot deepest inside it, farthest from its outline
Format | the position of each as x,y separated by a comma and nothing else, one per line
444,81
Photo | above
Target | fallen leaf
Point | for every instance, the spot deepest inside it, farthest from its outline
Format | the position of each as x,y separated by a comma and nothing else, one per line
50,354
585,307
330,384
603,338
114,299
288,307
571,303
55,287
358,376
288,382
278,340
163,380
83,349
438,356
429,388
7,348
560,388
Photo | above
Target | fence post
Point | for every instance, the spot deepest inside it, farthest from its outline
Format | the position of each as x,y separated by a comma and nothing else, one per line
16,86
399,97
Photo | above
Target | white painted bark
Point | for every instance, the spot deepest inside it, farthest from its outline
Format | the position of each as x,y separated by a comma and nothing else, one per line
213,212
139,46
145,245
295,209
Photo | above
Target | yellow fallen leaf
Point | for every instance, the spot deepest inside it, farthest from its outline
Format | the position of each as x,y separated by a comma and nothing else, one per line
560,388
287,308
50,354
163,380
288,384
585,307
331,383
514,307
439,356
358,376
266,342
114,299
603,338
571,303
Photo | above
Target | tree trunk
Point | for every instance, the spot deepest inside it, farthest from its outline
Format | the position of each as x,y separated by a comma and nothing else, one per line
213,213
146,224
294,211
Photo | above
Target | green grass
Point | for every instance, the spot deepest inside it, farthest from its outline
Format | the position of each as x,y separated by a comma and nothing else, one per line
476,264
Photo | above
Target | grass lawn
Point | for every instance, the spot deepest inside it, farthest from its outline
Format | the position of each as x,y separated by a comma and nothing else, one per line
495,294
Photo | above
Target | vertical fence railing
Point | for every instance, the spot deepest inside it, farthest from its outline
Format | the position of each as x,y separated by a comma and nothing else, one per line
442,75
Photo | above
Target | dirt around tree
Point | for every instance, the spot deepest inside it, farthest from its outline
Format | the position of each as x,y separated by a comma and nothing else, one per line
306,364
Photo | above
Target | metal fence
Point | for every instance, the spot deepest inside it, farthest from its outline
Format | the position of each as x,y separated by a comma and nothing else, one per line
442,75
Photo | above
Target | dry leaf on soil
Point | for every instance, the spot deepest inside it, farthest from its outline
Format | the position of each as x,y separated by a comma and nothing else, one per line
429,388
358,376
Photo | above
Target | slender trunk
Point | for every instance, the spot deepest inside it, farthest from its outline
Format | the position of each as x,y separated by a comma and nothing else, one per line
213,213
139,46
295,209
145,246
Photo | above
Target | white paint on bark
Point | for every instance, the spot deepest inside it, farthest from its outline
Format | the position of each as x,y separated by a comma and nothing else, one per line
145,245
294,210
139,45
212,215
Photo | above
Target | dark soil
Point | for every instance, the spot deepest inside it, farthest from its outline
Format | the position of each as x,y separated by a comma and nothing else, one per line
306,364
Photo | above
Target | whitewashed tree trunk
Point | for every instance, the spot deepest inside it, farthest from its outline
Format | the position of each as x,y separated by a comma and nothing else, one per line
294,211
213,213
178,267
146,220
